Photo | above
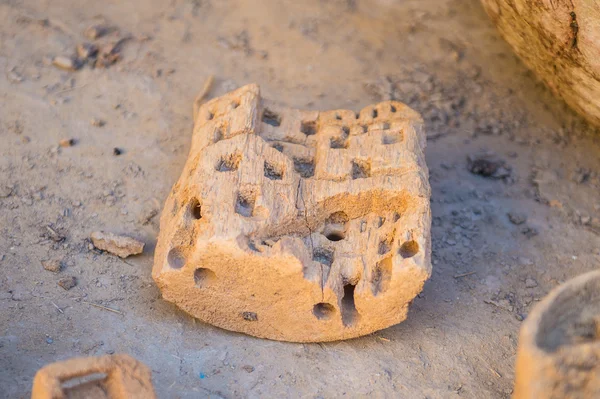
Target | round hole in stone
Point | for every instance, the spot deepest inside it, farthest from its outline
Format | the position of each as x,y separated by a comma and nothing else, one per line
323,311
409,249
176,258
335,235
195,209
204,277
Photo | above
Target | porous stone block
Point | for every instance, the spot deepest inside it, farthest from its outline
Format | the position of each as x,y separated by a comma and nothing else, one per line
105,377
559,344
298,225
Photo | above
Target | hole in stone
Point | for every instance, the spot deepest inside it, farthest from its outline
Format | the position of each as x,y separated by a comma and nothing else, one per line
278,147
308,127
396,216
203,277
176,258
382,276
72,384
244,205
210,115
391,138
409,249
365,128
335,226
346,130
235,104
349,312
306,168
229,162
323,311
357,115
338,117
380,221
218,134
338,142
374,113
392,108
323,255
250,316
385,245
195,209
361,169
385,126
271,118
272,171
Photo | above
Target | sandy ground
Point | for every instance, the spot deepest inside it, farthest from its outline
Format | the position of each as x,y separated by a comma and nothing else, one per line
444,58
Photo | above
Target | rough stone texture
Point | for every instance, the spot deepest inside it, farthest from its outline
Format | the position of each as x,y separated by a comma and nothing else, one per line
111,377
121,246
298,225
559,343
560,41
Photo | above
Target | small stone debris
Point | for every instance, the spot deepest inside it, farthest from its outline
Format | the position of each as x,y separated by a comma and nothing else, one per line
529,231
517,218
97,122
530,283
66,63
52,265
86,50
96,31
117,151
67,142
121,246
248,369
5,191
487,165
67,283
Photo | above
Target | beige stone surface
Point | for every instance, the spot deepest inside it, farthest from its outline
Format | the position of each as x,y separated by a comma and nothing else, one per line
121,246
111,377
298,225
560,41
559,344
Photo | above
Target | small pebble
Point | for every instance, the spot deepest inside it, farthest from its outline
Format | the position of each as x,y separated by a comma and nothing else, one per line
86,50
97,122
67,142
248,368
530,283
117,151
52,265
517,218
49,340
66,63
67,283
95,31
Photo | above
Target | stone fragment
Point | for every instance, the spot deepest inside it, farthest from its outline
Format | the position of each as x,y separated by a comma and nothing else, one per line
94,32
517,218
52,265
298,225
67,142
66,63
121,246
86,50
559,344
105,377
67,283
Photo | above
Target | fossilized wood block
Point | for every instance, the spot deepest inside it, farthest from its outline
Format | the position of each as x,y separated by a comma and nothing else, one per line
298,225
560,41
559,344
104,377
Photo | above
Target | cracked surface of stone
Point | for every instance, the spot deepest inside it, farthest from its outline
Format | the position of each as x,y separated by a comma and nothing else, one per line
298,225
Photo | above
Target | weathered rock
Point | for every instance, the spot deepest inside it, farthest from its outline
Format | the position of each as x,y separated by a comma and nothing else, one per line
298,225
559,41
117,377
121,246
67,283
52,265
559,343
